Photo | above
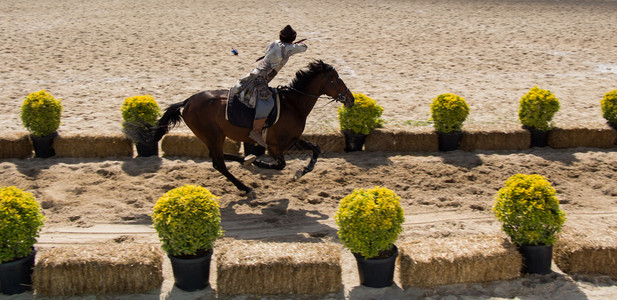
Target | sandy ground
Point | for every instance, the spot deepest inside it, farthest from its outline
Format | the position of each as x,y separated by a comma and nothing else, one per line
443,195
402,53
93,54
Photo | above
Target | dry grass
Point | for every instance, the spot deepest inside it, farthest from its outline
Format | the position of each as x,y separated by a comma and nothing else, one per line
187,144
421,139
498,137
93,145
579,252
592,135
278,268
433,262
328,142
15,145
97,269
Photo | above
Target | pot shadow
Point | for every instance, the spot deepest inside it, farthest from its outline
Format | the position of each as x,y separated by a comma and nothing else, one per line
565,156
141,165
394,291
276,222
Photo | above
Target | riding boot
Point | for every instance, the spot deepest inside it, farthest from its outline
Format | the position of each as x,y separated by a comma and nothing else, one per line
255,134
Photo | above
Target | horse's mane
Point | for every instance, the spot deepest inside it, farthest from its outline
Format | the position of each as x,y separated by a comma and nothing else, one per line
303,77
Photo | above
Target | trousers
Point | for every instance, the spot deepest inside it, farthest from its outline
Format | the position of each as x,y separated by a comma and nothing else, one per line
263,107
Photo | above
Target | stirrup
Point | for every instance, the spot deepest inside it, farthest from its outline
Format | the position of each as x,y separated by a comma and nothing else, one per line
257,137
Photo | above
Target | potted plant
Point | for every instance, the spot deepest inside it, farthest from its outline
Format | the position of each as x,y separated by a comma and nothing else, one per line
370,221
356,122
609,108
40,114
536,110
188,221
529,212
20,223
448,112
141,113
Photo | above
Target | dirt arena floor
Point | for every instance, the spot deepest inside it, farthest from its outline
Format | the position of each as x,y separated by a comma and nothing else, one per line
93,54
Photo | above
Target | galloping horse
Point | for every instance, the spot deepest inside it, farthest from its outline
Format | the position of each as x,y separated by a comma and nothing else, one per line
204,113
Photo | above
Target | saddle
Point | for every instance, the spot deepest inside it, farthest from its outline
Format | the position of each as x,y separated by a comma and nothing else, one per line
241,115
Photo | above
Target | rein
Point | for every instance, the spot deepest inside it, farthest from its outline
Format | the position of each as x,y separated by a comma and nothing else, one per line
339,98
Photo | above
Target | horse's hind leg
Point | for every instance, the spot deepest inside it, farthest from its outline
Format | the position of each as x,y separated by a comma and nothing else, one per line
218,162
305,145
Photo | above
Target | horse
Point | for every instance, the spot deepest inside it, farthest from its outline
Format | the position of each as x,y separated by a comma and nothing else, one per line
204,114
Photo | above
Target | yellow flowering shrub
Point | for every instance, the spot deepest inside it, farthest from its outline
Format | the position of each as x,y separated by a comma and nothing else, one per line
609,107
529,210
20,223
362,117
448,112
140,109
537,108
188,220
40,113
370,221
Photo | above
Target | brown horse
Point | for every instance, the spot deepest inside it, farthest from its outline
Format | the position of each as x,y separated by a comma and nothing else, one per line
204,113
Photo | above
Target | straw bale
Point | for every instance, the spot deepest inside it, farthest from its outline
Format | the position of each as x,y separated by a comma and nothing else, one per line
93,145
495,137
108,268
580,252
187,144
333,142
432,262
278,268
588,135
419,139
15,145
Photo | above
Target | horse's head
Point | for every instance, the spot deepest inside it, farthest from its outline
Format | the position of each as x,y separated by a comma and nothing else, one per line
336,88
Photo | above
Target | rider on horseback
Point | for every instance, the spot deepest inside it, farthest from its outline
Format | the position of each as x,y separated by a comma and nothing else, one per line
253,89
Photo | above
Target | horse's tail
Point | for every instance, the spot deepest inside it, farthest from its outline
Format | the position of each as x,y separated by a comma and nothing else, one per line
145,133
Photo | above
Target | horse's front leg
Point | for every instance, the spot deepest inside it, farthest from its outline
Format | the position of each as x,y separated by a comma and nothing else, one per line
305,145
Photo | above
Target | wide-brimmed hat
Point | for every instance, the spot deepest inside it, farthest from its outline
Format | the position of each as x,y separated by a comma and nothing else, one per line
287,35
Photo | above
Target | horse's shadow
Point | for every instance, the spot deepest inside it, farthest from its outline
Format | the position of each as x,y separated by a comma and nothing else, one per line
275,222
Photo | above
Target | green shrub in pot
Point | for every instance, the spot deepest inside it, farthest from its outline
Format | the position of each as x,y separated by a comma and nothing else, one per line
40,113
370,221
448,112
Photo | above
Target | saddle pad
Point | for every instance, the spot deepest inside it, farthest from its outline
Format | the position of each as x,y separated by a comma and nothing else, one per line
241,115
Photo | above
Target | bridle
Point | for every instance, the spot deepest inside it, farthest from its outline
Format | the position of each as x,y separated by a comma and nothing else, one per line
339,98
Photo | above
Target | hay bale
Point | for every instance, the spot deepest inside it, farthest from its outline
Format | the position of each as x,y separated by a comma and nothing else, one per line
333,142
420,139
278,268
98,269
495,137
93,145
588,135
15,145
187,144
432,262
579,252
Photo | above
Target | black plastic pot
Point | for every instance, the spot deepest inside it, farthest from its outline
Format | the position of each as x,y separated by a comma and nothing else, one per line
353,141
536,259
376,273
15,276
146,150
449,141
44,146
539,138
191,274
253,148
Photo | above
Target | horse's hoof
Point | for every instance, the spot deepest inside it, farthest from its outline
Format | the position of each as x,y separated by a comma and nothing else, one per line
298,174
251,194
249,159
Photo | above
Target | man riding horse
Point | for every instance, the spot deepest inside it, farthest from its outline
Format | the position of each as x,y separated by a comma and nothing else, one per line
253,89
